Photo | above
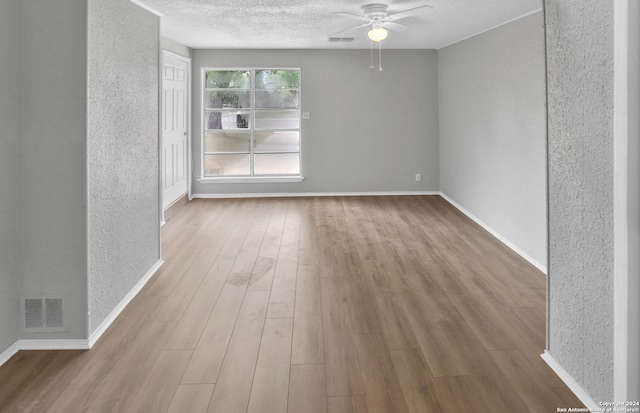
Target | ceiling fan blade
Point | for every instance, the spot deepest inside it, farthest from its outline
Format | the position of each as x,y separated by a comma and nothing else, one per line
348,30
353,16
398,27
409,13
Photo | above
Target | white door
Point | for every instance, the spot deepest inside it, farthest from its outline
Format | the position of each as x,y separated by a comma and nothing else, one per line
175,87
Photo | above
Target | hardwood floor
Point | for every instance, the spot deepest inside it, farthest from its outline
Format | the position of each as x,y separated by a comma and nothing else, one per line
304,305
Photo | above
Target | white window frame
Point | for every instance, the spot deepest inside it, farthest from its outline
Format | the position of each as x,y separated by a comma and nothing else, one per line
248,178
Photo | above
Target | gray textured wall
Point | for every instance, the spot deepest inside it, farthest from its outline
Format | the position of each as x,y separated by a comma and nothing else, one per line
9,165
492,131
124,237
369,130
52,121
580,98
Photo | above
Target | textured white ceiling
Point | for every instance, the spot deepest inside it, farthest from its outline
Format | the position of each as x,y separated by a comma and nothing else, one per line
306,24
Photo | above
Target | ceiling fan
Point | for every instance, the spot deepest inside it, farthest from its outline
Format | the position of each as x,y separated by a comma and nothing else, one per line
375,15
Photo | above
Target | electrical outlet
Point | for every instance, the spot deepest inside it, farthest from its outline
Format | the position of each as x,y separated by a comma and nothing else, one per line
418,177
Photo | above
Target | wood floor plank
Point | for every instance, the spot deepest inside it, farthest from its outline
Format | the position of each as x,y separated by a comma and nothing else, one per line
195,317
269,392
307,246
233,386
533,276
567,398
416,381
530,335
530,323
262,274
212,344
307,389
184,226
347,404
444,355
16,372
430,287
541,295
175,305
98,366
477,393
246,258
128,324
339,404
361,305
166,278
341,360
220,231
396,327
86,387
487,321
307,346
460,394
232,243
381,386
273,236
283,291
192,398
42,378
511,292
122,381
158,388
264,268
533,391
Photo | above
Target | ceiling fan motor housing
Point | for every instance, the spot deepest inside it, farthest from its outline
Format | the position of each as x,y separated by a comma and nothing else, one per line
374,11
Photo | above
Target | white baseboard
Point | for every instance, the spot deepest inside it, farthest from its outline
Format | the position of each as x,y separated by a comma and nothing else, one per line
80,344
98,332
8,353
45,344
311,194
571,383
502,239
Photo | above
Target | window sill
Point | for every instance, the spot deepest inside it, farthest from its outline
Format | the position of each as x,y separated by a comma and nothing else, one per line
251,180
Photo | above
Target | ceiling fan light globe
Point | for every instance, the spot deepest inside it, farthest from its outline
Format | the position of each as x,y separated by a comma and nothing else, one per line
377,34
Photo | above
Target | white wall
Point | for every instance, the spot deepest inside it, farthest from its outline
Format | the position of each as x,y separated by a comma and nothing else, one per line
580,54
122,140
174,47
52,121
492,131
9,147
369,131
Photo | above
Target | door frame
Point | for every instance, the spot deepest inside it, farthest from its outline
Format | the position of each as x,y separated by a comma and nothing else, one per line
626,378
166,53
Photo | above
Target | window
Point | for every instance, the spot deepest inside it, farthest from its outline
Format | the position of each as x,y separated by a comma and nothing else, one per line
251,123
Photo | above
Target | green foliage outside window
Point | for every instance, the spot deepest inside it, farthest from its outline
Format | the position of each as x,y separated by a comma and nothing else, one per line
228,79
